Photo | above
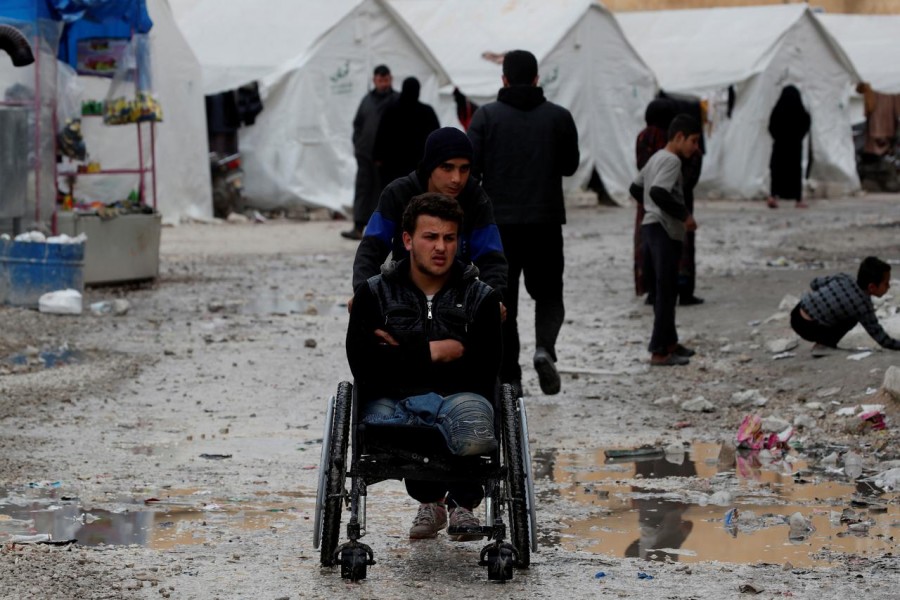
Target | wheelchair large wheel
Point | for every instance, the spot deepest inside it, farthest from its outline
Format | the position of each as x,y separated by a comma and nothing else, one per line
335,473
516,491
529,474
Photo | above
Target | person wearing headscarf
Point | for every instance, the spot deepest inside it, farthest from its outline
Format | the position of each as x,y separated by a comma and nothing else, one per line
788,125
402,132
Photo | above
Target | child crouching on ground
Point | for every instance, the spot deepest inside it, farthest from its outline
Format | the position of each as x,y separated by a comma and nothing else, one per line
836,303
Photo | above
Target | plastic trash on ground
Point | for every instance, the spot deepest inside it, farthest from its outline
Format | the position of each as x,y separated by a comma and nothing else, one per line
751,436
61,302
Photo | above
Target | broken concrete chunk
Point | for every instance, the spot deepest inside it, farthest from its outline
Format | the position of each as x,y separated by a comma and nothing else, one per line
698,404
721,498
782,345
779,316
826,392
800,527
831,459
774,424
788,302
665,400
853,465
892,382
804,421
746,397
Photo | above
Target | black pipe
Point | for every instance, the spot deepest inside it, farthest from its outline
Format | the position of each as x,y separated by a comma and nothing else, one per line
16,45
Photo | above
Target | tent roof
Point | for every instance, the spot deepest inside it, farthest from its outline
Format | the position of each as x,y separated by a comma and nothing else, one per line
692,50
459,32
873,44
237,42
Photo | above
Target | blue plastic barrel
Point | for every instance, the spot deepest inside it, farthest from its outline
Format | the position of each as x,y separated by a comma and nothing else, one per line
30,269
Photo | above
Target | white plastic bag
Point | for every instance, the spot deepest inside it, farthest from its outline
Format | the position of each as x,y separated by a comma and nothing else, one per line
60,302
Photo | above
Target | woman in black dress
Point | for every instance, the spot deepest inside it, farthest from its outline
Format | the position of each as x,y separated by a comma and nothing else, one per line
788,125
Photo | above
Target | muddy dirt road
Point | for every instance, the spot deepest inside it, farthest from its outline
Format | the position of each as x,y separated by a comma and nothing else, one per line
179,443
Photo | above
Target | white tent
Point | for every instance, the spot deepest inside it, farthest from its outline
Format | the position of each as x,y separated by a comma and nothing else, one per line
757,50
314,61
182,163
585,64
873,44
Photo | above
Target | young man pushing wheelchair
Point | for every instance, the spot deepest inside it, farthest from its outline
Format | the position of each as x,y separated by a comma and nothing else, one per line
424,342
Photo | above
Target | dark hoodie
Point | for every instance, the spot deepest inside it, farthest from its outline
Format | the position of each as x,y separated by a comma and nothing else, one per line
404,126
524,145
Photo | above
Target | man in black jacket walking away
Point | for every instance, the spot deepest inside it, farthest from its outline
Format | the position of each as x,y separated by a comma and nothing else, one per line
524,145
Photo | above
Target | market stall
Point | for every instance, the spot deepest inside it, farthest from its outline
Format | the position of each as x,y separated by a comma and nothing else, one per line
101,46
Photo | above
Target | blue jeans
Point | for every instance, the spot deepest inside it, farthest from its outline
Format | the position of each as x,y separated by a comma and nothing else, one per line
466,420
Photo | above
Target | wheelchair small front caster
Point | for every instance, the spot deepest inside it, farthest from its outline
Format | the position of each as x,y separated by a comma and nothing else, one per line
354,557
499,558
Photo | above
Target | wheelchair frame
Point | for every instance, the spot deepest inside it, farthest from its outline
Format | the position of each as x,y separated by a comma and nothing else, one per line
506,475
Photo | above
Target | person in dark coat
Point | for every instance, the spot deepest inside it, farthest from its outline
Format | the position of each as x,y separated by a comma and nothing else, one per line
524,146
691,167
659,115
446,161
653,137
402,132
788,125
365,127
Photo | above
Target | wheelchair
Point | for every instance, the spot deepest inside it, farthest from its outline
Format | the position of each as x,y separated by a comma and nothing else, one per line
381,451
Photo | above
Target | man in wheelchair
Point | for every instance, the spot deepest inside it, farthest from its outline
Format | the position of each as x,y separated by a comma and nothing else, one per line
424,341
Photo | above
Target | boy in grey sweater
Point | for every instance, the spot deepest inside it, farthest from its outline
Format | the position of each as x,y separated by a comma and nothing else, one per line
659,187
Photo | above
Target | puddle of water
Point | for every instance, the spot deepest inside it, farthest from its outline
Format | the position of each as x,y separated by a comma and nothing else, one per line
179,518
644,510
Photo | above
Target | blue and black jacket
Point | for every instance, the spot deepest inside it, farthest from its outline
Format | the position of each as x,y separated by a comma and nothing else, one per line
479,242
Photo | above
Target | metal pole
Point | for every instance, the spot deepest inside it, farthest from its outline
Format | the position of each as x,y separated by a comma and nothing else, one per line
153,160
140,161
37,118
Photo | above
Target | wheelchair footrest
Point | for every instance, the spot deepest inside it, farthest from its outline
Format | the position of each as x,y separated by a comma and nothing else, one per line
481,531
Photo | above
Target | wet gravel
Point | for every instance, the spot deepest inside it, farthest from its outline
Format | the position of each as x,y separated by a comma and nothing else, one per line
214,359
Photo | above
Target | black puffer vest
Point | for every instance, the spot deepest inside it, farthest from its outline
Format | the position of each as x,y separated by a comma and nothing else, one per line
407,313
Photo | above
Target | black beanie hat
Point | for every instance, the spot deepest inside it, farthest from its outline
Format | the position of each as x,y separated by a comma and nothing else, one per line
442,145
520,67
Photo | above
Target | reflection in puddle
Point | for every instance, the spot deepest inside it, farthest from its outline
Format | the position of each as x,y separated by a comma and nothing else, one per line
173,520
673,508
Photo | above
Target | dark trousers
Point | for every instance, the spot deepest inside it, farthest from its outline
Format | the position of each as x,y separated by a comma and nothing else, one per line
645,280
813,331
535,251
368,189
467,495
663,253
